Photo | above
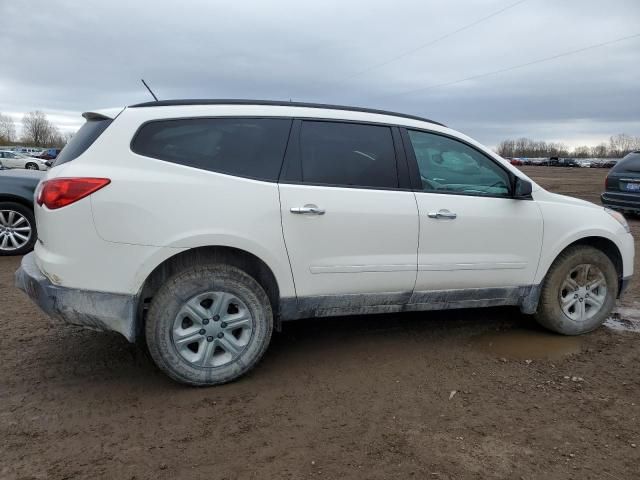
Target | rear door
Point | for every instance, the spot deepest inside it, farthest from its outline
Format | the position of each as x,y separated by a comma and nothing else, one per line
349,218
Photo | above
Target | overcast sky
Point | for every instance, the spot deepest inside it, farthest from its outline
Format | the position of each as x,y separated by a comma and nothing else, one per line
66,57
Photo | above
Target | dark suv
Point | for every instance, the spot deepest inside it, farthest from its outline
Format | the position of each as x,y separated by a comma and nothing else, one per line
622,185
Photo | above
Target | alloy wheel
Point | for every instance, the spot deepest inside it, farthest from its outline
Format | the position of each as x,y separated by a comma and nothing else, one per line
15,230
212,329
583,292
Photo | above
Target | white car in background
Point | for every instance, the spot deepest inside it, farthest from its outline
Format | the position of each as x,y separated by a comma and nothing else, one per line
201,225
9,159
29,151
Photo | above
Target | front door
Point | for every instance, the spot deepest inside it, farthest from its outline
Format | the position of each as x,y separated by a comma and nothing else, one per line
473,234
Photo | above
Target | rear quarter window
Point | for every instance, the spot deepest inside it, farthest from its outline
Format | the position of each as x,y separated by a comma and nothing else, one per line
246,147
82,140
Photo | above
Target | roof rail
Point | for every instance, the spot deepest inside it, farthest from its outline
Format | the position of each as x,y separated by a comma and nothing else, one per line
168,103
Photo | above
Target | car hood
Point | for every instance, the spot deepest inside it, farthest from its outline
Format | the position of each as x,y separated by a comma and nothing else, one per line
544,195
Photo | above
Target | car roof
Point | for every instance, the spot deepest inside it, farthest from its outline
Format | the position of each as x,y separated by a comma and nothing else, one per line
184,102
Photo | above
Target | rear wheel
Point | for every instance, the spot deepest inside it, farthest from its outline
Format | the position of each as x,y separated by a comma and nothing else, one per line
17,229
579,291
209,325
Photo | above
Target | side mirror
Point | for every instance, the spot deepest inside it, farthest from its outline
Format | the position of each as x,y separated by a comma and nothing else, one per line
522,189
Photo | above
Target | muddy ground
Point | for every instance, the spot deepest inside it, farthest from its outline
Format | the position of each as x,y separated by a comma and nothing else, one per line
454,395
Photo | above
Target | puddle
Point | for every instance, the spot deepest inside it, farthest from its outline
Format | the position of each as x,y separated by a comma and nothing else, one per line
527,344
624,319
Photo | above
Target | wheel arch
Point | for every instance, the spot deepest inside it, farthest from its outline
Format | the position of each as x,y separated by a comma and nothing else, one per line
242,259
16,199
604,244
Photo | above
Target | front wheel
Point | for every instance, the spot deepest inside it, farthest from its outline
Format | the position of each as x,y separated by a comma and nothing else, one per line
31,166
578,292
209,325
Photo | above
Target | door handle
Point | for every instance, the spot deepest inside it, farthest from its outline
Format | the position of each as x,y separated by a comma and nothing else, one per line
308,209
444,213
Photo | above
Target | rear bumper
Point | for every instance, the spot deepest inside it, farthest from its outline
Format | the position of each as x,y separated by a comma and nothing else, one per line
95,310
621,201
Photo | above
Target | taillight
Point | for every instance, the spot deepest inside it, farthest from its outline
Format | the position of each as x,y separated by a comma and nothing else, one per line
60,192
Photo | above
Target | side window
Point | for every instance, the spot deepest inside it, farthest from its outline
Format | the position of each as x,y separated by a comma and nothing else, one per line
247,147
348,154
447,165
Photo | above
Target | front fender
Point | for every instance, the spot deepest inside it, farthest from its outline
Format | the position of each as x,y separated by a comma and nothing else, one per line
565,224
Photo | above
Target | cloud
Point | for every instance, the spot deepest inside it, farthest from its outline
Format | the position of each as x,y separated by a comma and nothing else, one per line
65,57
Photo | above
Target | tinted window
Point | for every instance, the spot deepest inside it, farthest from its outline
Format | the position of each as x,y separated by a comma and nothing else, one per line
348,154
82,140
630,163
248,147
447,165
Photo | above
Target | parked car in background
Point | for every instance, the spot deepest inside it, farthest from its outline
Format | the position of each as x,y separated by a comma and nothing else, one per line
50,154
11,159
29,151
17,223
569,162
516,161
622,185
607,164
289,210
584,163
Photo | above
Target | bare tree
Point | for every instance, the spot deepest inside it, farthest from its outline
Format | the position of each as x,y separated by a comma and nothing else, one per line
582,152
37,130
56,138
600,151
7,129
621,144
506,148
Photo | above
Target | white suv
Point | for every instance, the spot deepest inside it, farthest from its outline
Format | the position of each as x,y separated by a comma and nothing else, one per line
200,225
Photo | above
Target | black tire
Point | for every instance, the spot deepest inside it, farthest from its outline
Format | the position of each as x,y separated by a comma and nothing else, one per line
31,166
27,213
170,299
550,314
